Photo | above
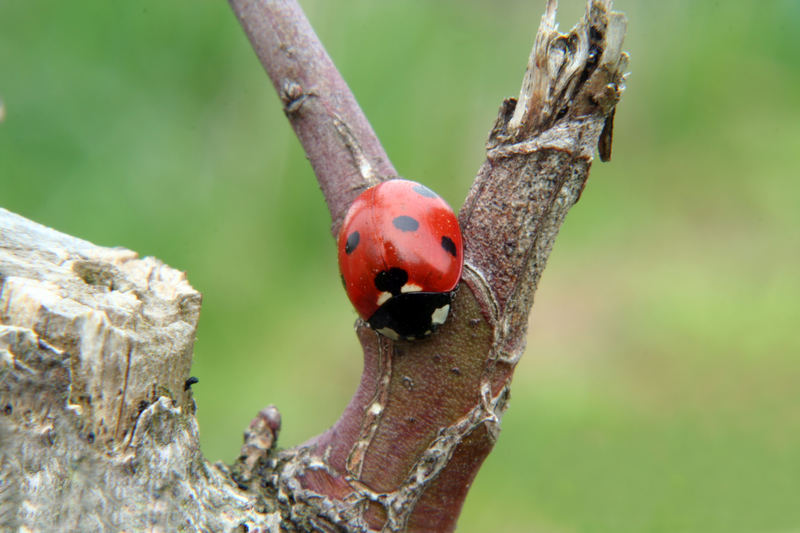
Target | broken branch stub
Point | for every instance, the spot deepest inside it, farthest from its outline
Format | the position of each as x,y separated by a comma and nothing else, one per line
97,426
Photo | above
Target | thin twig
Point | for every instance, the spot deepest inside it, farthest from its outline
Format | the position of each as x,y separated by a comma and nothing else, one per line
338,139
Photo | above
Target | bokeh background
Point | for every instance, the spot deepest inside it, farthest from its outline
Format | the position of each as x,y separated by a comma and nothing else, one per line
660,388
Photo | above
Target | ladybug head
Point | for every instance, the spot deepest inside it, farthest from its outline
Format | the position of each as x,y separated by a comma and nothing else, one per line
400,255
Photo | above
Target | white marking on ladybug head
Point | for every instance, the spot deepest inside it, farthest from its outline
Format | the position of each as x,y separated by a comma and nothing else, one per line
375,409
382,297
410,287
440,315
389,332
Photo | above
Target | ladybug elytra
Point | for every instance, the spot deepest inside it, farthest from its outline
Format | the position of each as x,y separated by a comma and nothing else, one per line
400,256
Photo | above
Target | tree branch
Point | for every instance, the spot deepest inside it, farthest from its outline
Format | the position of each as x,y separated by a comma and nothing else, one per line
338,139
95,344
427,413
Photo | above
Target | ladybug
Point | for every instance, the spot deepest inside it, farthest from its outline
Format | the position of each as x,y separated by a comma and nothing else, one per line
400,256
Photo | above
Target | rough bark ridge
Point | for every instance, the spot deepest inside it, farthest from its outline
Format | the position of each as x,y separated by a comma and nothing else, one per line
96,413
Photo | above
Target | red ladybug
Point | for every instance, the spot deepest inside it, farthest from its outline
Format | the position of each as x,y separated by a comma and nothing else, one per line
400,255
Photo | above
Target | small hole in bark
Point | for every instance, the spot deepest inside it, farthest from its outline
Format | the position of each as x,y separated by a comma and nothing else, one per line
95,273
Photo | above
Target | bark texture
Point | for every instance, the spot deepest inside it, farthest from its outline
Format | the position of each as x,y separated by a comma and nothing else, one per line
96,412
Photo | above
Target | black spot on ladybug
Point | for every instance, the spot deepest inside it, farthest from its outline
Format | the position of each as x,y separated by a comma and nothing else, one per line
424,191
448,245
352,242
391,280
405,223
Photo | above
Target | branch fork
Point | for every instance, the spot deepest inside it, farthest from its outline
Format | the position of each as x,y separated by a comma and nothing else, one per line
95,343
425,409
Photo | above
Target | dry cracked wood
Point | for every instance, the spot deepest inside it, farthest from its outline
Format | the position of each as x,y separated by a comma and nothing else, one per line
96,414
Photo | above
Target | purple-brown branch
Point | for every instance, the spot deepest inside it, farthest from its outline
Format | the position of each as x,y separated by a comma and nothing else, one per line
427,413
338,139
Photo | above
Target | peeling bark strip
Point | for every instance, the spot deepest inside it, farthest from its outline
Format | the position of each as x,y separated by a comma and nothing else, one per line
97,427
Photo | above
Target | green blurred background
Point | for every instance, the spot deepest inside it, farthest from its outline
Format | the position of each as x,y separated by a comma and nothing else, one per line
659,391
